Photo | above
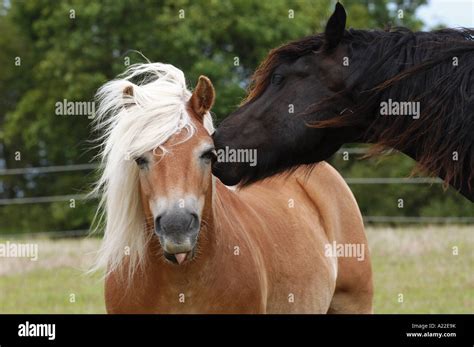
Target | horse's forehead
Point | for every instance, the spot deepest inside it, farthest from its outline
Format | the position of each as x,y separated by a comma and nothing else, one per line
183,137
180,171
184,142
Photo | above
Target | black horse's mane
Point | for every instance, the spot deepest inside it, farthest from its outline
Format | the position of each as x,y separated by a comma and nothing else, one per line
434,68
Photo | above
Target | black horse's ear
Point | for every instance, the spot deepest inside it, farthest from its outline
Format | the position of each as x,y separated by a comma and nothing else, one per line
335,27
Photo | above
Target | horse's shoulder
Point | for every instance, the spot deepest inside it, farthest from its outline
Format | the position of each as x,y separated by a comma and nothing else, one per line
325,186
322,175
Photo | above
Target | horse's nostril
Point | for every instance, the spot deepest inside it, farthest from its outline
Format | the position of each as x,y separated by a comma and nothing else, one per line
193,220
157,222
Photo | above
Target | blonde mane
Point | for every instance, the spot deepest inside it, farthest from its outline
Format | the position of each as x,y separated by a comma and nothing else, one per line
132,125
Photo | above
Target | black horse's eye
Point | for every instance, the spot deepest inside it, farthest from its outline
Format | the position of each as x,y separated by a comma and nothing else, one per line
209,155
277,79
141,162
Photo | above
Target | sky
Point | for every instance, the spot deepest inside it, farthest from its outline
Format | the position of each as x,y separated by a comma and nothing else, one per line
452,13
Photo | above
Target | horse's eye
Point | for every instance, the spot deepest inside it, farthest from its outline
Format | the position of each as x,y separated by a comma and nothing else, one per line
141,162
277,79
209,155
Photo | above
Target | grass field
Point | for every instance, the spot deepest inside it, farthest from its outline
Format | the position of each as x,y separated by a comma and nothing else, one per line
416,262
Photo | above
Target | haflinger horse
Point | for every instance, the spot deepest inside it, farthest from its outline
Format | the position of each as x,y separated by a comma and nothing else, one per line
411,91
177,240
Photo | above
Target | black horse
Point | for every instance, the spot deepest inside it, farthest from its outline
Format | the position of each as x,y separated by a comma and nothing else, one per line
412,91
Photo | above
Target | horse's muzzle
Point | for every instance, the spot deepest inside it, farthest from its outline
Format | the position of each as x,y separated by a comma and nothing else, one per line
177,231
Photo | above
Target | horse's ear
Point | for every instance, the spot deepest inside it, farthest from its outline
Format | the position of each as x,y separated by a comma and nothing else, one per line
128,96
335,27
203,96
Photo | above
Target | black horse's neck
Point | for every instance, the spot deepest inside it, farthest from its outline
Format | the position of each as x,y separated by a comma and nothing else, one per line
418,97
460,181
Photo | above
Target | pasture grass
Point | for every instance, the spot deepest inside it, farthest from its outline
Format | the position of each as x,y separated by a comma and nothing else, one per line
49,291
420,264
56,283
417,262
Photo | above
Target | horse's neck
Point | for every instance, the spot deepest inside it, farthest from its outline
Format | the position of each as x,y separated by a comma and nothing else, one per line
431,94
459,179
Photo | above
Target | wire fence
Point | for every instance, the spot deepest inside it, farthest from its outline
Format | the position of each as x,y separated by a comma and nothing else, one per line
43,199
349,180
93,166
48,169
418,220
367,220
48,234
